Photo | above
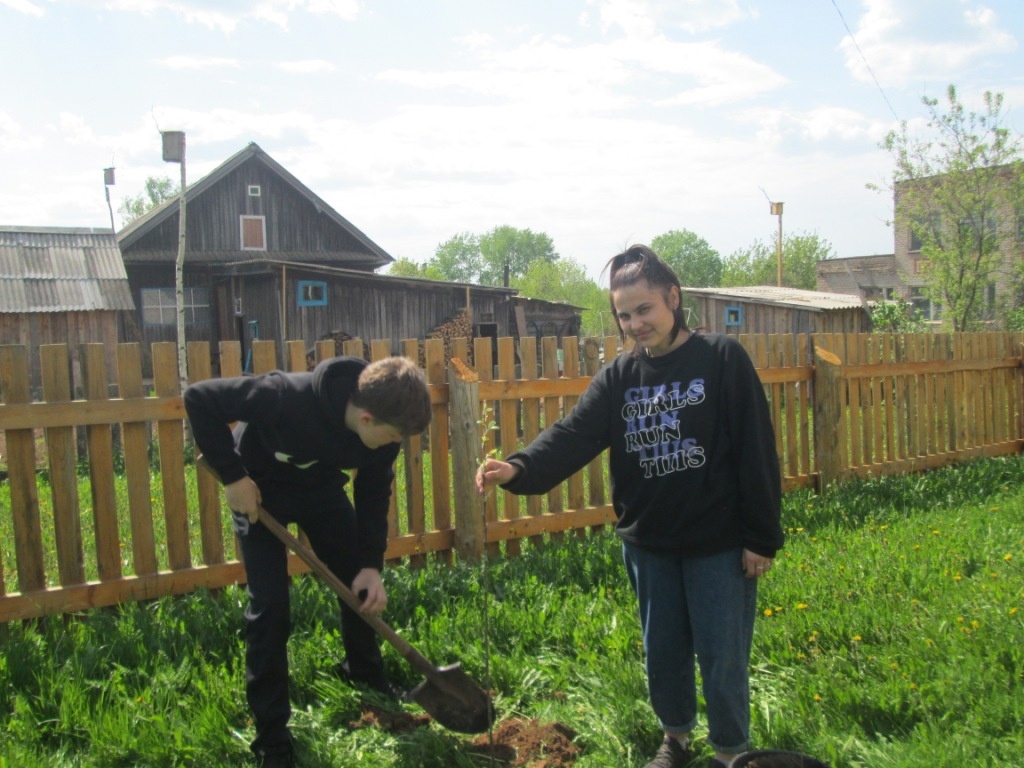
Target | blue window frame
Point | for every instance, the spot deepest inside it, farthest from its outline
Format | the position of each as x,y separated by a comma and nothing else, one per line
312,293
733,316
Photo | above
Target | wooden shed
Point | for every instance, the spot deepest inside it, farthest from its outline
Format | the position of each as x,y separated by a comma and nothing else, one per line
288,300
244,221
769,309
62,285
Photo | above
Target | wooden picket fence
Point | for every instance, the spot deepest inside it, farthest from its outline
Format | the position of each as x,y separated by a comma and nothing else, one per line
843,406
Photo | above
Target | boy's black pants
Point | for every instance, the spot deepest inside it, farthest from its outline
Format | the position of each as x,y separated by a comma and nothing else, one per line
327,518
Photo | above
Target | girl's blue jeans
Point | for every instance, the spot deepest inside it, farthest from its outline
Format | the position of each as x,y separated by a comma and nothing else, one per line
697,609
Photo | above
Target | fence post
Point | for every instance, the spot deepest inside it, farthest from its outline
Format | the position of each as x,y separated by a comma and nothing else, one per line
829,417
464,407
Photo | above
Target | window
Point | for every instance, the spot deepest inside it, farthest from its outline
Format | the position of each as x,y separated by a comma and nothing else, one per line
254,190
923,229
159,308
254,233
312,293
733,316
924,308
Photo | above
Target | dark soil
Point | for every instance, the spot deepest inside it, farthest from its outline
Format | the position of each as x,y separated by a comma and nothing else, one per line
514,743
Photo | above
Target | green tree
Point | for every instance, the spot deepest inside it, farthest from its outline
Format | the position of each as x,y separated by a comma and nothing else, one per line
507,254
759,263
158,189
949,189
566,280
405,267
457,259
895,317
696,263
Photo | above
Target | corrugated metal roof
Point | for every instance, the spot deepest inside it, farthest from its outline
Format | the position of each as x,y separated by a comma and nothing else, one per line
61,269
791,297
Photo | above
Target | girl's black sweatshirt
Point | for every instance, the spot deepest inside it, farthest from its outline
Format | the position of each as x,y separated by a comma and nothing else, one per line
693,460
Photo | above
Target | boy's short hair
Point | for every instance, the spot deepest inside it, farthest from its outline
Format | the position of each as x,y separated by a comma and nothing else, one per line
394,390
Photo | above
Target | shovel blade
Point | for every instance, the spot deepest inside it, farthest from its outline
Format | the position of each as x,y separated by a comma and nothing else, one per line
453,699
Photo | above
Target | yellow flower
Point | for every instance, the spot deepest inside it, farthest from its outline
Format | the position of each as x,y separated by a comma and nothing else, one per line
1008,556
817,697
767,611
856,638
801,606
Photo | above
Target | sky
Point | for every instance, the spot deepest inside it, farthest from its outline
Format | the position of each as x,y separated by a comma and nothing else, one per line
601,123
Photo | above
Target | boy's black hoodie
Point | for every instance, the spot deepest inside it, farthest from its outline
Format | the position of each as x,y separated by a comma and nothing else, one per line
291,433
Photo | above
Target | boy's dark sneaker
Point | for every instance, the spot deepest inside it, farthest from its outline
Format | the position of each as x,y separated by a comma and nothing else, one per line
377,683
671,754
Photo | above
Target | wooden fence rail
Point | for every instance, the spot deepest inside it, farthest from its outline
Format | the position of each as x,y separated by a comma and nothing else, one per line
81,533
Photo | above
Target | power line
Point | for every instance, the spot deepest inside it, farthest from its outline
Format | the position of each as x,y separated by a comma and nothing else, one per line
864,59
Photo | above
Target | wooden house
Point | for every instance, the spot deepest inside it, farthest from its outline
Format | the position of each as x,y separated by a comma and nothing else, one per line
62,285
266,258
769,309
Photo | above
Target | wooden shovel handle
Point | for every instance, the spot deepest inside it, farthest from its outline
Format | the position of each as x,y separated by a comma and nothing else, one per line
308,556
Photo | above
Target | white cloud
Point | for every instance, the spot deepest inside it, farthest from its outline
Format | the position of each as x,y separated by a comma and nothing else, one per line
197,62
276,12
907,40
14,138
306,67
24,6
644,18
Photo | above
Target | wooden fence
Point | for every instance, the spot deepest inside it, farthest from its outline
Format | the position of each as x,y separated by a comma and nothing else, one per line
842,406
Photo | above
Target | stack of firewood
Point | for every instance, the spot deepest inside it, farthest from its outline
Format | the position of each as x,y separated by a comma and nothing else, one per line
457,327
339,338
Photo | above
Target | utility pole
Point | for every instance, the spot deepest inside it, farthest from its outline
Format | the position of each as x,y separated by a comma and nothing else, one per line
777,211
108,182
174,152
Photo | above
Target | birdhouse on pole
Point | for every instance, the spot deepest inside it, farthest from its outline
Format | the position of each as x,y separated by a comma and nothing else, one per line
174,146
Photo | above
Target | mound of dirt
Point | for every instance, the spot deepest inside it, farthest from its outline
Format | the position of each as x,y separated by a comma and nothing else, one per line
514,743
529,744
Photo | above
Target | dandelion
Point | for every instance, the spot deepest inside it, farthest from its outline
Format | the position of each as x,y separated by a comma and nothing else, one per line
801,606
817,697
1008,556
1013,610
857,638
957,577
767,611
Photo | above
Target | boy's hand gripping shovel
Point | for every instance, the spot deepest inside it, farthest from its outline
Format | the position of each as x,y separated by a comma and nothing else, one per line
448,694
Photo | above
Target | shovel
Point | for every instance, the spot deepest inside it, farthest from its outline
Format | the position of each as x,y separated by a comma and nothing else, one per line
448,694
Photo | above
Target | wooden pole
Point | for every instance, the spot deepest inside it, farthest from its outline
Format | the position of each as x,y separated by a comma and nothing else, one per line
829,421
464,407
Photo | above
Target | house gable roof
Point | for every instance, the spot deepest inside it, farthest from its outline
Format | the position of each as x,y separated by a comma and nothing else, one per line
61,269
372,256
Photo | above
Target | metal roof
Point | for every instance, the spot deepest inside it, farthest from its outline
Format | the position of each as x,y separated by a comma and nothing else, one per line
61,269
815,301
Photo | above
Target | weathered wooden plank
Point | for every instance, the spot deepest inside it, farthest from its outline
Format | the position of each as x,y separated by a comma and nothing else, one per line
60,450
414,490
531,414
439,466
135,441
101,467
171,444
508,434
571,370
211,530
21,477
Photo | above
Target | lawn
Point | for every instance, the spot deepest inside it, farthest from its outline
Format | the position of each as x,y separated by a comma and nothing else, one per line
890,634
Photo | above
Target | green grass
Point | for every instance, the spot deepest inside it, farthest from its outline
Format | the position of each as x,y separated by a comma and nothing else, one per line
891,635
